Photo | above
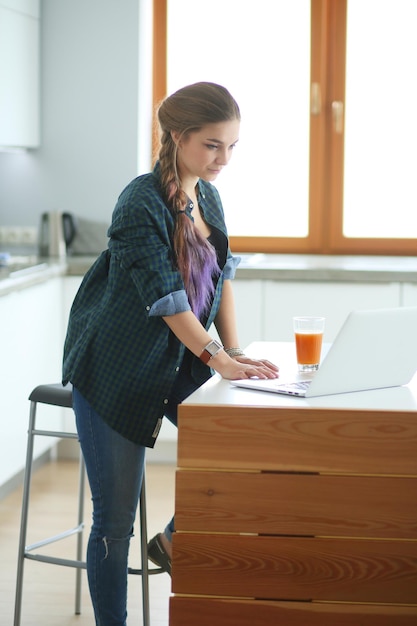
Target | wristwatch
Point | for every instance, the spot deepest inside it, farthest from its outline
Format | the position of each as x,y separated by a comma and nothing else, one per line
210,351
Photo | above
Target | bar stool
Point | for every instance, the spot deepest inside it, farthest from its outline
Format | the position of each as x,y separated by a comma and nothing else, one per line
57,395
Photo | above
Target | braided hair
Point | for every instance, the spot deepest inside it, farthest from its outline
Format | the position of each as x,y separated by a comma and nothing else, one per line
184,112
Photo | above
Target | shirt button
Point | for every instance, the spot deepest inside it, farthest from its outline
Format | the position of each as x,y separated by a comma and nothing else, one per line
148,308
191,205
166,401
177,369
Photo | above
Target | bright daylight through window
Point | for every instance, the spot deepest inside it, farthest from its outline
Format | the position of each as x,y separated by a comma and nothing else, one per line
380,191
263,58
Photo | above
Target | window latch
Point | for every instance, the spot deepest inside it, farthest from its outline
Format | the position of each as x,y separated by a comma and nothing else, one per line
337,114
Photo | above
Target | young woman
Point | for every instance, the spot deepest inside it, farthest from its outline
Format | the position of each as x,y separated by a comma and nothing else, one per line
138,341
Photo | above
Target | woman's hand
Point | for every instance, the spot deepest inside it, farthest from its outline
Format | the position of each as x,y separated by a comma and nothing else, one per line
243,367
190,332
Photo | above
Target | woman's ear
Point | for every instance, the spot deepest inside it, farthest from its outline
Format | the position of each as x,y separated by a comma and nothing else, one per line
175,137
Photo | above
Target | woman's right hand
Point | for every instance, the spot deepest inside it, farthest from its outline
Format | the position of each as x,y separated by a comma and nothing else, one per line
190,332
245,367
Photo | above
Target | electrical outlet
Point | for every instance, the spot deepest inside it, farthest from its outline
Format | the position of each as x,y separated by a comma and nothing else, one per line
10,235
4,234
13,235
29,236
18,235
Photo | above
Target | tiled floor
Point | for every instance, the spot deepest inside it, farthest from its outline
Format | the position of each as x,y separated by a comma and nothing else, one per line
48,592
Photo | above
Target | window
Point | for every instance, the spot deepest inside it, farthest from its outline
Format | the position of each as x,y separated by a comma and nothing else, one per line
380,193
314,171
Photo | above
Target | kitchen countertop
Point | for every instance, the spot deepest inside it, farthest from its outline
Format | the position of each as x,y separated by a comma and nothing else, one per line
294,267
328,267
21,276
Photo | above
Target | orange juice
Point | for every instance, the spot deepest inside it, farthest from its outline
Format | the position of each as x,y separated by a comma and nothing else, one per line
308,346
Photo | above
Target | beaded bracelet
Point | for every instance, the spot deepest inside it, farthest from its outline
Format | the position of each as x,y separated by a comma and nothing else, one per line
234,352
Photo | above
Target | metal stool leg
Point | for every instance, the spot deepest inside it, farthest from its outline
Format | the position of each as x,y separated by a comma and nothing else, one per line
79,553
144,554
24,517
145,570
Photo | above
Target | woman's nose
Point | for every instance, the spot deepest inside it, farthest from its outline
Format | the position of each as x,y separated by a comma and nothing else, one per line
223,157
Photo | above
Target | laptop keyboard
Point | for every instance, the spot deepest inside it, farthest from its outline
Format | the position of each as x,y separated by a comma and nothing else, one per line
302,385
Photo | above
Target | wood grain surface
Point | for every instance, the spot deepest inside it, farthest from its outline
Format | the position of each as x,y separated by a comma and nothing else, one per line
296,504
224,612
297,439
295,568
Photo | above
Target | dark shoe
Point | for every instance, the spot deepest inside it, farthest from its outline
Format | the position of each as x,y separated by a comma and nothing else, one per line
157,554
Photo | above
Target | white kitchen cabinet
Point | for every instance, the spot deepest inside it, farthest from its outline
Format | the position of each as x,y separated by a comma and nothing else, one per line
333,300
249,304
409,294
71,286
19,73
31,350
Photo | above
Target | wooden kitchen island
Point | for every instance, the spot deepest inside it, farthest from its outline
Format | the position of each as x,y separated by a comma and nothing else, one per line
295,512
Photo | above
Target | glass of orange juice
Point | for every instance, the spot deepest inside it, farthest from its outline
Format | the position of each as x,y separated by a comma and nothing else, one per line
308,333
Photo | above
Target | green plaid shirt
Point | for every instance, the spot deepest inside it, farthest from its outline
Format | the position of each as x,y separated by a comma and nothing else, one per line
118,352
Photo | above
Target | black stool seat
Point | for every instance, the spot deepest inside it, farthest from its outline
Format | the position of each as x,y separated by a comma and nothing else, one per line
55,394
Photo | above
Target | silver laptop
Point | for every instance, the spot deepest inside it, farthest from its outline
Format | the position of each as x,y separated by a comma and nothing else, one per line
374,349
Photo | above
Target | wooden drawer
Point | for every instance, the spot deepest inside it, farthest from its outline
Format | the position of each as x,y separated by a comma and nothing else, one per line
295,568
224,612
296,504
297,440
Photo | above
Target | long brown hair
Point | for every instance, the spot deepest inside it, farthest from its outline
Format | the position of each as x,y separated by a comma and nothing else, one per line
186,111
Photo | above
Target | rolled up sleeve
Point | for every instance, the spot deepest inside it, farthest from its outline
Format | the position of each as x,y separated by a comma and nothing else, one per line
171,304
230,267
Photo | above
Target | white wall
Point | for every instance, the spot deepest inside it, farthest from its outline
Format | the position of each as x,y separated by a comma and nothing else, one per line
89,113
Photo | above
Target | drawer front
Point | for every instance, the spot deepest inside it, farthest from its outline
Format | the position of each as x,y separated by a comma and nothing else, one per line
298,440
295,568
296,504
209,611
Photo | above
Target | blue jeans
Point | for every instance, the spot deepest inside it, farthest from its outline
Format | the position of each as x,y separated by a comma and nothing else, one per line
115,469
